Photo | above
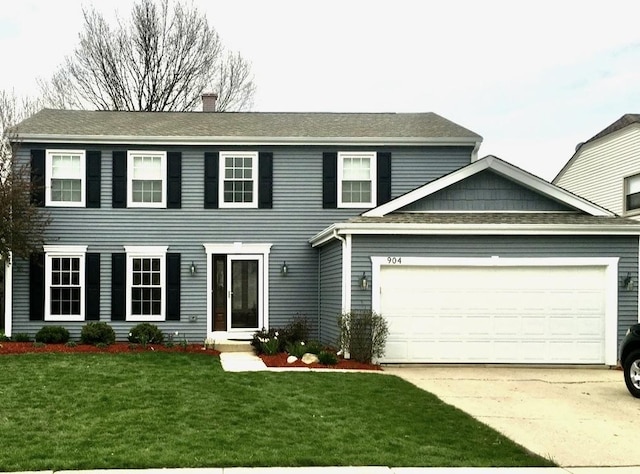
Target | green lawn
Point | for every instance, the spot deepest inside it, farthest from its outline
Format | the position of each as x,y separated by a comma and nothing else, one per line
142,410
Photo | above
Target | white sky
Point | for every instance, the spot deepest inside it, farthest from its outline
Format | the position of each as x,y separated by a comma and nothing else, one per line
533,77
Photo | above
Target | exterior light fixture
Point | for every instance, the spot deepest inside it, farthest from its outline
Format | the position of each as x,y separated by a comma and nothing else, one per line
627,283
193,268
284,269
364,283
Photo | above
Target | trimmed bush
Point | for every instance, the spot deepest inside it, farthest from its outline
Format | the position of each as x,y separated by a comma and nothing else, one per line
21,337
52,335
97,333
363,333
327,358
145,333
296,331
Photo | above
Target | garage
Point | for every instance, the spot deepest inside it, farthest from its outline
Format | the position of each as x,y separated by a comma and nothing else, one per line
495,310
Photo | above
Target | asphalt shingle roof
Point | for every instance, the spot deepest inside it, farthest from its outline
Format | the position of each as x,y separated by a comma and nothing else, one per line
82,123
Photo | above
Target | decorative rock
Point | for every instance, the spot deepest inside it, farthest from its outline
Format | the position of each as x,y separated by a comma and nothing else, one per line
309,358
291,359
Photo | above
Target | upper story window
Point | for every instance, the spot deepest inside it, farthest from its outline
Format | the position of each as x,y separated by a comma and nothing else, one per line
65,176
147,179
146,283
64,282
239,179
356,179
632,193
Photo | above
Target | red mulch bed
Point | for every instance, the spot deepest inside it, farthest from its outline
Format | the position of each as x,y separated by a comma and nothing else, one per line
118,347
280,360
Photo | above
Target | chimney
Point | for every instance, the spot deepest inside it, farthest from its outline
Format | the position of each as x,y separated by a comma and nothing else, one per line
209,101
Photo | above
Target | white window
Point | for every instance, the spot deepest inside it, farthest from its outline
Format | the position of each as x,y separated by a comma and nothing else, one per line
65,178
146,176
356,179
146,283
64,282
239,179
632,193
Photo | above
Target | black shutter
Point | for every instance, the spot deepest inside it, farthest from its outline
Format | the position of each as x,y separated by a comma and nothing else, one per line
92,287
118,286
36,287
174,180
383,173
211,180
265,180
330,180
37,177
173,287
94,159
119,189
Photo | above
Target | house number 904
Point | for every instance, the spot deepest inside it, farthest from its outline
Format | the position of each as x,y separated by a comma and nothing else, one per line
394,260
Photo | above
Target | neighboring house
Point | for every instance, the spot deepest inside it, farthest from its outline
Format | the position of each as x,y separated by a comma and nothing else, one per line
606,168
218,224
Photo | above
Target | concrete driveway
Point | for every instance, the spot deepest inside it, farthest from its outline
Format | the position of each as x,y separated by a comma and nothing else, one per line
573,416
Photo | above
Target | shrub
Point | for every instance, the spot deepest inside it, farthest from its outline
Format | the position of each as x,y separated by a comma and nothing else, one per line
296,331
267,342
52,335
3,337
314,347
363,333
71,344
327,358
97,333
145,333
296,349
21,337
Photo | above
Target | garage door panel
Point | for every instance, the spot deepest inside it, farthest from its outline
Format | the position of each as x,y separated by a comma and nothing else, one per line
494,314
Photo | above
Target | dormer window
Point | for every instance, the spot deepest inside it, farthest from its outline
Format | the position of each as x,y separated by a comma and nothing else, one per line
632,193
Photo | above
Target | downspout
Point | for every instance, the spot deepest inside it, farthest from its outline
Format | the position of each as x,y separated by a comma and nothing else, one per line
344,245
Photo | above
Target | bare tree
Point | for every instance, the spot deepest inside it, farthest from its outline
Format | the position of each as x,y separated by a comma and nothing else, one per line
22,224
164,58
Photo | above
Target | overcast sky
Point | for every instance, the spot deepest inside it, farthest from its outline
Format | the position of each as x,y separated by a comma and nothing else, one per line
534,78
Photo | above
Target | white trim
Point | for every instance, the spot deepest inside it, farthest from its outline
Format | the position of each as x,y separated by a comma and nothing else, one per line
254,172
8,295
247,257
50,153
609,263
346,273
237,248
64,251
501,167
372,156
131,155
136,251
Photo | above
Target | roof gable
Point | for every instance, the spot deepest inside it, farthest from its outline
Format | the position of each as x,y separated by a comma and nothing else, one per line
516,176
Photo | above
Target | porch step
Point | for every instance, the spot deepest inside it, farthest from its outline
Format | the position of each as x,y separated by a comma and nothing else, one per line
226,345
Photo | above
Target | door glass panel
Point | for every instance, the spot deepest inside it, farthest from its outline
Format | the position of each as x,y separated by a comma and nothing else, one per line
244,294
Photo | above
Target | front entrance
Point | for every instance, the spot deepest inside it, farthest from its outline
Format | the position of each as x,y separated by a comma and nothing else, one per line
237,292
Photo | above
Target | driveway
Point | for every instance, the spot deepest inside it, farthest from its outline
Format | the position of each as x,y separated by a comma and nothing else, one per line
573,416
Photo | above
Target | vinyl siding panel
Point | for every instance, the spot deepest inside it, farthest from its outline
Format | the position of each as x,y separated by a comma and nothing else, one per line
296,216
598,169
330,257
623,247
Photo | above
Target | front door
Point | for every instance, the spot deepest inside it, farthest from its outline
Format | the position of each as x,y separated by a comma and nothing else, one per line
244,295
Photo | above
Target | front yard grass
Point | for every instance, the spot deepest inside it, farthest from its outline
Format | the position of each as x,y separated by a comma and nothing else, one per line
144,410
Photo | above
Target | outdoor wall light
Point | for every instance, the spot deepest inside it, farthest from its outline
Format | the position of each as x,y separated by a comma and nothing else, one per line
364,283
193,268
284,269
627,283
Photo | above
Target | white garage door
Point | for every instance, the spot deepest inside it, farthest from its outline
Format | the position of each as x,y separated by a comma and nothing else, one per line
498,314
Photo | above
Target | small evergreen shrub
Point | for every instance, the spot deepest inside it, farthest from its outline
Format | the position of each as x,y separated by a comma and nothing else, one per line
363,333
327,358
52,335
96,333
21,337
314,347
145,333
3,337
296,331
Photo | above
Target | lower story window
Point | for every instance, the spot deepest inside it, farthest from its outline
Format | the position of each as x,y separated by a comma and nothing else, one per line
64,280
146,283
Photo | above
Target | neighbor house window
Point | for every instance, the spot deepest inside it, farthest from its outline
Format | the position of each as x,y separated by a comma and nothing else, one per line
65,175
64,282
146,283
146,175
239,172
632,193
356,179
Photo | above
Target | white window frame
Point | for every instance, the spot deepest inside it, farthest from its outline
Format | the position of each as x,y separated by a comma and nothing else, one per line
627,191
50,154
131,155
63,251
254,166
147,252
373,160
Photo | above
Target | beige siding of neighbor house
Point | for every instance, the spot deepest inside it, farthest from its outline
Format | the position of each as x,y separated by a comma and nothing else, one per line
598,169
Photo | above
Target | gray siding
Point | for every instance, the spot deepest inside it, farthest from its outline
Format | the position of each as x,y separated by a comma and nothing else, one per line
626,248
330,257
486,191
296,216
